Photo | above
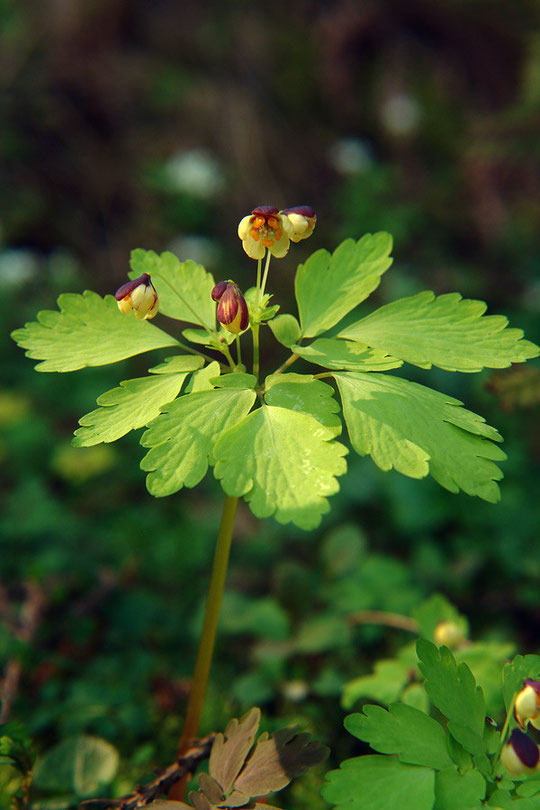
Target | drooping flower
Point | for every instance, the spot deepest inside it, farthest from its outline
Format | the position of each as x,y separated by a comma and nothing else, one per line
140,296
232,309
448,633
303,219
265,228
527,704
520,755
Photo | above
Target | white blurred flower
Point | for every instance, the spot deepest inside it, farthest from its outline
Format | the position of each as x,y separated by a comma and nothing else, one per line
196,172
350,155
400,114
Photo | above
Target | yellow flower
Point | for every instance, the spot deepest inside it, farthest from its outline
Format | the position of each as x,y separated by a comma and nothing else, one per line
303,219
232,309
527,705
140,296
265,228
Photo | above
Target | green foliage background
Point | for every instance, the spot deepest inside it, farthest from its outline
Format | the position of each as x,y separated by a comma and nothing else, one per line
125,127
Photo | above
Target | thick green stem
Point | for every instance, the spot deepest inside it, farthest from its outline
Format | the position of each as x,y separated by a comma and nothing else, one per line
238,350
211,618
259,263
226,351
509,715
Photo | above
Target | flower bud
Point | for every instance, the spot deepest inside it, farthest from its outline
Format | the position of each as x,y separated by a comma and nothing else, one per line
302,219
448,633
527,704
520,755
140,296
232,309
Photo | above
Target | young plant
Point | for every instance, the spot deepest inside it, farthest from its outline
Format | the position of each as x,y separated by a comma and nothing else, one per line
272,438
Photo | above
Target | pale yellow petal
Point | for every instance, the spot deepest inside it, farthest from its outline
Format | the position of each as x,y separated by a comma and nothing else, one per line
244,227
253,249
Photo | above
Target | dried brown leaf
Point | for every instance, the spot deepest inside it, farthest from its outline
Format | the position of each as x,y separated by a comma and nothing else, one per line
210,788
278,759
164,804
230,749
236,799
200,801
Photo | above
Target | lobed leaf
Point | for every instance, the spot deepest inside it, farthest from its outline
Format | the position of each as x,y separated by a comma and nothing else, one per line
459,791
380,783
346,354
452,688
286,329
229,750
178,362
134,404
88,331
284,464
515,672
181,439
417,431
304,394
276,760
328,285
415,737
445,331
184,288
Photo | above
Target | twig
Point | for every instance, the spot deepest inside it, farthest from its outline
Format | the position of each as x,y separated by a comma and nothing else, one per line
145,794
384,617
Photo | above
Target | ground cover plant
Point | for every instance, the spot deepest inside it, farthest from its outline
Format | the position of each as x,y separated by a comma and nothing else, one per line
273,440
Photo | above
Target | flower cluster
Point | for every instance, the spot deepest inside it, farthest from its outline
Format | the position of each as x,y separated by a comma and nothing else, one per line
267,227
140,296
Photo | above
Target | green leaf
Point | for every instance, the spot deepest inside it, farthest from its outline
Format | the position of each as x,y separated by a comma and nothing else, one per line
329,286
452,689
237,379
284,464
386,683
456,791
88,331
182,437
286,329
134,404
503,800
380,783
82,765
514,673
416,430
178,362
200,380
184,288
445,331
300,392
415,737
346,354
213,340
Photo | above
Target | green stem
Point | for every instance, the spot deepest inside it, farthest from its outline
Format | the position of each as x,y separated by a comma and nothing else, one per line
238,350
211,618
255,330
509,715
259,263
266,266
288,362
227,352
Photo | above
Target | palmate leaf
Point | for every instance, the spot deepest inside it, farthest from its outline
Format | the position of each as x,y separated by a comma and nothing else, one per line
459,791
184,288
88,331
445,331
330,285
182,437
380,783
346,354
283,462
229,750
415,737
417,431
131,406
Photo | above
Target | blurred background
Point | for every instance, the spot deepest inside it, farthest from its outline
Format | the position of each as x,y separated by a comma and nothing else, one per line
129,123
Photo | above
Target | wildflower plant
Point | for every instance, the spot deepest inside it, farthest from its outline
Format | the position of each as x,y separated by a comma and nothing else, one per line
275,438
